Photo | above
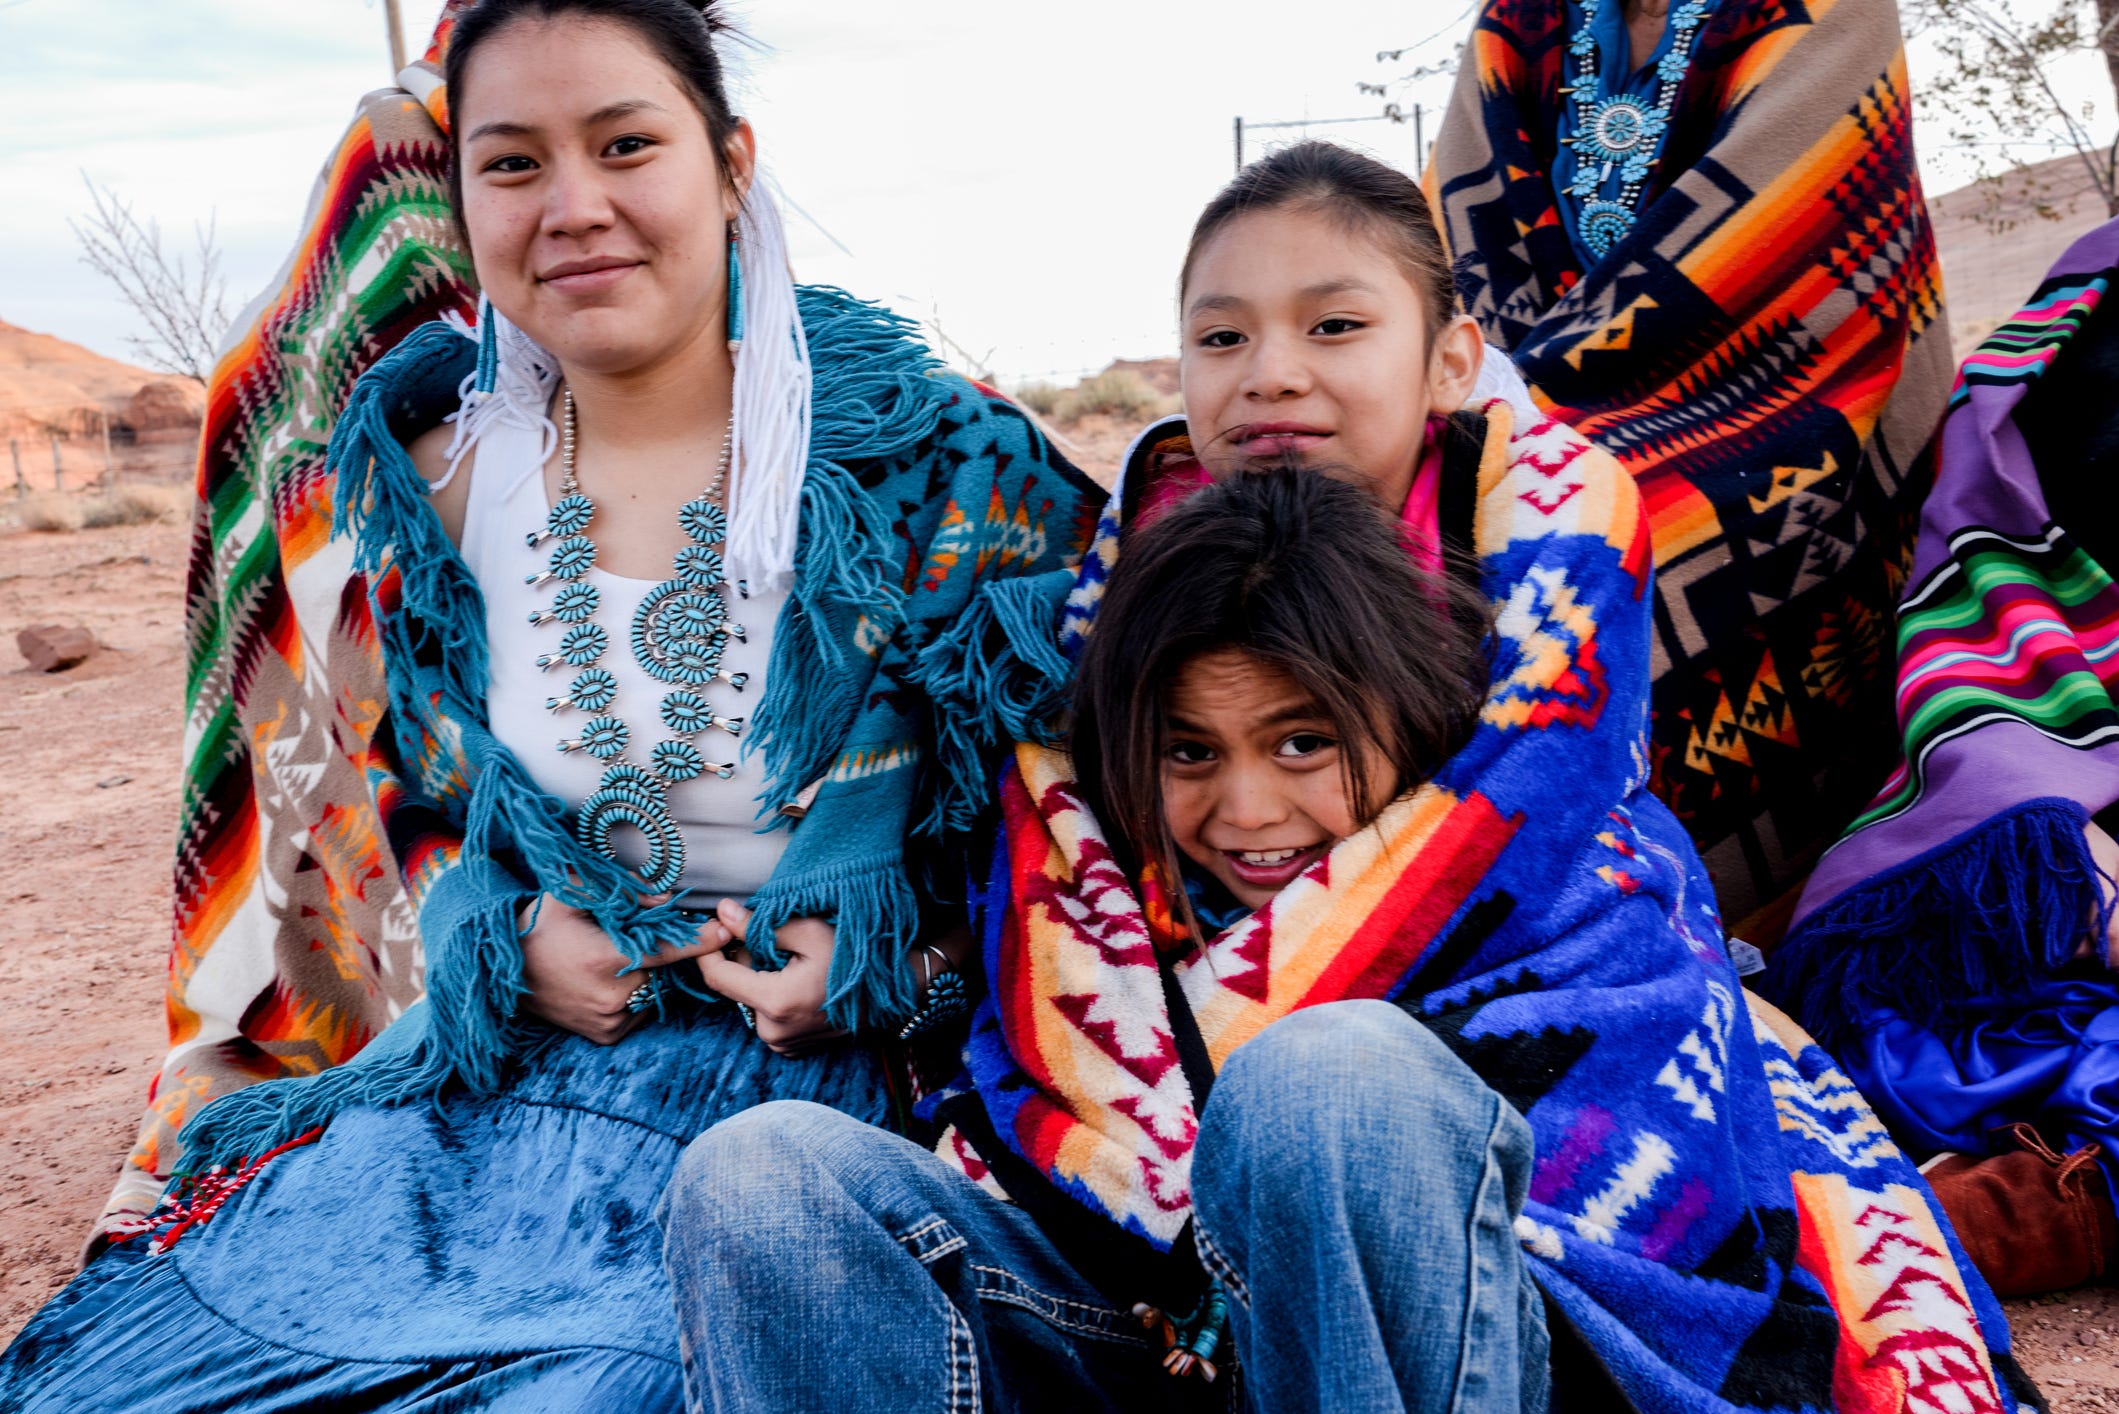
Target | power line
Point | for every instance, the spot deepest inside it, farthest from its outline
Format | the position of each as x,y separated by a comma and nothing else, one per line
1391,115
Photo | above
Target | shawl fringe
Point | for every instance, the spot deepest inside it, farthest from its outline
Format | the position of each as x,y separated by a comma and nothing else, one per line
875,396
1973,923
996,676
876,915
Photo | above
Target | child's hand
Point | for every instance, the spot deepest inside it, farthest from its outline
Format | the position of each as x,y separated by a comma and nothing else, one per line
789,1004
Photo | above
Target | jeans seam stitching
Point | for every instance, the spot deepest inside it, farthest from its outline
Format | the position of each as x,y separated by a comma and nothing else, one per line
961,1400
1017,1292
1223,1270
1487,1173
923,1229
1024,1303
937,1253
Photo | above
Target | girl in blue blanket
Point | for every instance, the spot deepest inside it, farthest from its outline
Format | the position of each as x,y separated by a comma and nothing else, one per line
1420,1088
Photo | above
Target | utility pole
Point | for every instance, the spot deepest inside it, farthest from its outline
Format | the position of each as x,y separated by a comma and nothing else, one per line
397,38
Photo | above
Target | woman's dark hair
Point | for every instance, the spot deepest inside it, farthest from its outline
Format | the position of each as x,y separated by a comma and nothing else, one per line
680,32
1364,196
1305,573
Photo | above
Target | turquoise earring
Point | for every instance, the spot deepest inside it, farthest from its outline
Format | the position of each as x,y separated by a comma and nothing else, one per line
735,293
488,349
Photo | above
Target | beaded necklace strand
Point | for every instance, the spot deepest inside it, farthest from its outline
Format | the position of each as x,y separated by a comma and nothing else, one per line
678,635
1621,131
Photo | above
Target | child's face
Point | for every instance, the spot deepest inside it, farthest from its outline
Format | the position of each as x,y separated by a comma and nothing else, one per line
1302,337
1251,781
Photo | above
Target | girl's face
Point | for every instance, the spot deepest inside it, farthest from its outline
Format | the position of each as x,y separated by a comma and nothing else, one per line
595,203
1302,338
1252,786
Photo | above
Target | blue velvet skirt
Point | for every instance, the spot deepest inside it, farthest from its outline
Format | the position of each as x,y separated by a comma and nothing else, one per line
489,1254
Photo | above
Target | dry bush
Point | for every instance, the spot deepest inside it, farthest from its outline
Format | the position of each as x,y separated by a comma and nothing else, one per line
1116,392
135,505
63,512
50,511
1041,398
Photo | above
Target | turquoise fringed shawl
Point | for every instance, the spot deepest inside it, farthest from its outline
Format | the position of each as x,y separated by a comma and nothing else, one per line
938,533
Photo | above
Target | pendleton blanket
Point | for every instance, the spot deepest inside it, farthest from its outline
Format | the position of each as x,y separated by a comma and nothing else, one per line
292,941
1933,950
1713,1207
1765,353
346,826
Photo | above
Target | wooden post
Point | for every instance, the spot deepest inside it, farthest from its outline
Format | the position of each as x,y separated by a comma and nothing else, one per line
110,478
58,471
1239,146
397,38
14,449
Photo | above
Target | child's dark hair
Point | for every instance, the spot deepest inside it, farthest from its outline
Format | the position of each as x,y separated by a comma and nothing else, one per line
1305,573
1364,196
679,32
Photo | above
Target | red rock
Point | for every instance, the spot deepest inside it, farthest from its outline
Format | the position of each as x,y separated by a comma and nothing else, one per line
167,403
52,648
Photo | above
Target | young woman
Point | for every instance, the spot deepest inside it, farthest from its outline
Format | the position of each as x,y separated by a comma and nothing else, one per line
699,530
1387,1031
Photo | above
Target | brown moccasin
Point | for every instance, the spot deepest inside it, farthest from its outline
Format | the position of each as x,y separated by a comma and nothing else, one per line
2032,1220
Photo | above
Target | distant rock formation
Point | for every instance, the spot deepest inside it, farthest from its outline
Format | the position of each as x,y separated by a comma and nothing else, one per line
1158,373
51,388
167,410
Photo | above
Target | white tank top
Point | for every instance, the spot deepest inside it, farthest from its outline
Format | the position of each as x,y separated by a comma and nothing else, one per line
724,855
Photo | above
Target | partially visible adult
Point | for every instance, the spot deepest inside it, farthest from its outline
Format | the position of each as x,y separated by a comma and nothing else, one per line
1698,229
1955,950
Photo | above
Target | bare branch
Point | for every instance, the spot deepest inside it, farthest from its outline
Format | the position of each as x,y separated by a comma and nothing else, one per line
182,301
1996,87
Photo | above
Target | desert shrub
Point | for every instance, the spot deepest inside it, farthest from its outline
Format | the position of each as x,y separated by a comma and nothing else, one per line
134,505
64,512
50,511
1116,392
1041,398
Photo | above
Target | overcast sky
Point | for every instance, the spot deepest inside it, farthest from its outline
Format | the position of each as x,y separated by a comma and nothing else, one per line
1023,173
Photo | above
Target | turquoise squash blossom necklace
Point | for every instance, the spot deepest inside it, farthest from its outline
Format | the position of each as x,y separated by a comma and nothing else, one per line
678,634
1622,132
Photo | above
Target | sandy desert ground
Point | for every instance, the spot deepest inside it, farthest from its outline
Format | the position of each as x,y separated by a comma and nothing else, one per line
88,778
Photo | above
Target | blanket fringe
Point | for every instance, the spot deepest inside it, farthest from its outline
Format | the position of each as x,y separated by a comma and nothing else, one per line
876,917
996,676
1971,925
875,395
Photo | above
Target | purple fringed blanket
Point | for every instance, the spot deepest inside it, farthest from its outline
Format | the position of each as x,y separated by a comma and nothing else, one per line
1934,948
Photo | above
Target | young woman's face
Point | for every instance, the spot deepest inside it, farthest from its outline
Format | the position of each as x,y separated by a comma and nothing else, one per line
1252,786
1303,338
593,197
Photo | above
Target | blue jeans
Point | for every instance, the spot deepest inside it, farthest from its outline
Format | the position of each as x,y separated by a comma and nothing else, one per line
1355,1190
